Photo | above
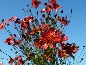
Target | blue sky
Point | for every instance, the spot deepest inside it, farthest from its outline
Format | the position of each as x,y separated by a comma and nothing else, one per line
76,30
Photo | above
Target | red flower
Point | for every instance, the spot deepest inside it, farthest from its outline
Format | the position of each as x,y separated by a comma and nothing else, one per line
70,49
63,20
45,36
2,25
25,22
35,3
51,35
10,40
28,18
56,6
48,38
24,25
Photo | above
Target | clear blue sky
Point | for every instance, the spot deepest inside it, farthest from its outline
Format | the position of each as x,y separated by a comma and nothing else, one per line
76,31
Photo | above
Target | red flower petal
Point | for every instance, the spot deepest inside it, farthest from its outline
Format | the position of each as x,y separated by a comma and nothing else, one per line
56,6
44,46
56,39
24,24
52,45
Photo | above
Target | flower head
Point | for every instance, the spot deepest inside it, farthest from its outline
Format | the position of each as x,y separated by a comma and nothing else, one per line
56,6
63,21
10,40
35,3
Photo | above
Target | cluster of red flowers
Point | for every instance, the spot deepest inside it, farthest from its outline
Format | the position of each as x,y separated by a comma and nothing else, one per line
51,38
48,36
35,3
50,6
